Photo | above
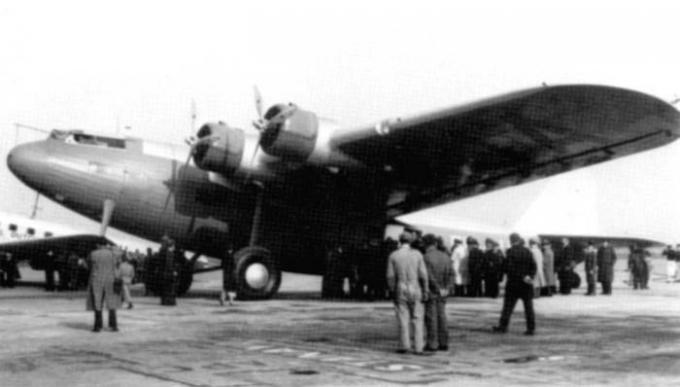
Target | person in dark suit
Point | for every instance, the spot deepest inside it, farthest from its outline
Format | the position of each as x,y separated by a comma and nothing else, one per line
440,278
591,267
520,269
168,253
49,271
564,266
103,263
475,266
11,270
493,260
228,292
606,259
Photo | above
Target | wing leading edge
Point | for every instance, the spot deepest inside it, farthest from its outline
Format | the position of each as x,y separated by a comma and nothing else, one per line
472,149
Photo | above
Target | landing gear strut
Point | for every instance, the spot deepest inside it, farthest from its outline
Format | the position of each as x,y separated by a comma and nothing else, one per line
255,273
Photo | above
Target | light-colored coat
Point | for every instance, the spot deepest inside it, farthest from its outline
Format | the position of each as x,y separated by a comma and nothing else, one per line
103,264
539,279
549,266
406,273
459,260
126,272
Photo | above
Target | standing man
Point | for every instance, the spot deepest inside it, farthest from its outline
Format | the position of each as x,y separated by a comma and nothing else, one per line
168,274
103,264
520,270
459,260
637,266
606,259
407,279
493,274
590,262
127,274
548,269
475,266
537,254
49,271
671,265
11,270
565,266
440,277
228,292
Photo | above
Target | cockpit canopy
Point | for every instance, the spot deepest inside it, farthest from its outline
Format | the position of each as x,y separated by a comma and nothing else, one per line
80,137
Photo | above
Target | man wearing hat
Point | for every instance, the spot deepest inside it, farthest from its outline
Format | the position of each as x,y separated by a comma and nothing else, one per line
475,267
440,277
520,270
459,260
537,254
606,259
407,280
590,262
103,263
493,260
548,269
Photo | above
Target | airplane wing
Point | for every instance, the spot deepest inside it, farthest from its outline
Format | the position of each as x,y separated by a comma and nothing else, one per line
508,140
37,251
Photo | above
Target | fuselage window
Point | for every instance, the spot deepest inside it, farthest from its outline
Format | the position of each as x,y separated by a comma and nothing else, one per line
13,227
30,231
48,234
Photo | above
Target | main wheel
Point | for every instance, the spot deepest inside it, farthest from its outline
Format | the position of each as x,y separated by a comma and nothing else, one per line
257,274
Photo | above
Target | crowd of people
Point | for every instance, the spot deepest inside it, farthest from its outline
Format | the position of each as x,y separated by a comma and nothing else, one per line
72,270
422,274
477,269
9,270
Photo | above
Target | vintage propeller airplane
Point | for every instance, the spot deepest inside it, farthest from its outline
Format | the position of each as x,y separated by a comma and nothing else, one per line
282,198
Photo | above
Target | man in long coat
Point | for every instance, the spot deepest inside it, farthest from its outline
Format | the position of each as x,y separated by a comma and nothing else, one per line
549,269
606,259
590,262
475,268
564,266
103,263
408,282
537,254
493,274
440,277
459,260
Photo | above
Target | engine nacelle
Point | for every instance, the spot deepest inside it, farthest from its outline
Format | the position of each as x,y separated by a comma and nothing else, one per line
220,148
290,133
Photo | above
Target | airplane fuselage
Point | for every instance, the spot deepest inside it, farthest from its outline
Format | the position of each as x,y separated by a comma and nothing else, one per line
156,192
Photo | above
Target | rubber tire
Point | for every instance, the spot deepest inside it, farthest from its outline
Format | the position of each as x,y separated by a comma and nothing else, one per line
244,258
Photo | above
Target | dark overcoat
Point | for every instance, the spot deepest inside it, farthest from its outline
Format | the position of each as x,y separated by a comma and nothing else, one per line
606,258
103,264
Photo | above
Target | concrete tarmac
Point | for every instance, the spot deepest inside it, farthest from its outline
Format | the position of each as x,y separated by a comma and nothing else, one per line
629,338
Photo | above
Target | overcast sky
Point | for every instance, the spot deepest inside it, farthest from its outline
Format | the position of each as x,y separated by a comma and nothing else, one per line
103,66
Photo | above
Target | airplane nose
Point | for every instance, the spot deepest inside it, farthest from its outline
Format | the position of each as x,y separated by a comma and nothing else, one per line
27,161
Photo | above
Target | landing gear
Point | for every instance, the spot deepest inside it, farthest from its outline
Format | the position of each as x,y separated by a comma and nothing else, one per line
257,274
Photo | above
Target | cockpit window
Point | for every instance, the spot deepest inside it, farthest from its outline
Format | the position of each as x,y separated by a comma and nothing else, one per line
78,137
